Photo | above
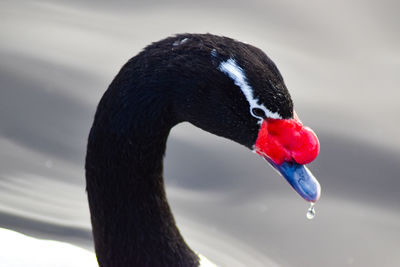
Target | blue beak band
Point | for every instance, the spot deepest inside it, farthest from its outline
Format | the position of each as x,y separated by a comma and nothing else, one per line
300,178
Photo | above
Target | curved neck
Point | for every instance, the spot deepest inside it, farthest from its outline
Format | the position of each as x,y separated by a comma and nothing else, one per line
131,219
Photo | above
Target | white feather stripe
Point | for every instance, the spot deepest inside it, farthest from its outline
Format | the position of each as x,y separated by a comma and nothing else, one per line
236,73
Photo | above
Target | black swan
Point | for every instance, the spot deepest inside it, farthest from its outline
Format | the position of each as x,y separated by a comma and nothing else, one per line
218,84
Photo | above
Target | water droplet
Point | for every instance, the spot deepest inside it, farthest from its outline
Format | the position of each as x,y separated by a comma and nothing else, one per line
311,212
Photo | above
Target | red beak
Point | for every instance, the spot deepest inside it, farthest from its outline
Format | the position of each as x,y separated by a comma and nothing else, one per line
288,145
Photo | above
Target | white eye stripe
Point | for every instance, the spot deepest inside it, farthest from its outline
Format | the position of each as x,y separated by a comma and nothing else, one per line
236,73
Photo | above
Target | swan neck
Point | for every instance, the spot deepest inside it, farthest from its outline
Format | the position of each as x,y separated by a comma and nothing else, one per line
131,219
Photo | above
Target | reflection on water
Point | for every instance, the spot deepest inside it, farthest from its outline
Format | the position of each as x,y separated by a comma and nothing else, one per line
58,57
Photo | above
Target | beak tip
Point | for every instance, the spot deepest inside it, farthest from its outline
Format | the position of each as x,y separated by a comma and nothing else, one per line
300,178
315,197
304,182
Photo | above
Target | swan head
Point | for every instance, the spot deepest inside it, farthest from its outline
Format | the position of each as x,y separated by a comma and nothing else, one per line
244,98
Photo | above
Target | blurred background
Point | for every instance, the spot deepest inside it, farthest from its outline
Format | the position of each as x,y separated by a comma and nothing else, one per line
341,63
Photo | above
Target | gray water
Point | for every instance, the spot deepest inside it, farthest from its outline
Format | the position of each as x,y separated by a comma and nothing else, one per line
340,61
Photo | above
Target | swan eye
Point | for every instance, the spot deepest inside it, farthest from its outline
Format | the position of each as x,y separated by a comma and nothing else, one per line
258,112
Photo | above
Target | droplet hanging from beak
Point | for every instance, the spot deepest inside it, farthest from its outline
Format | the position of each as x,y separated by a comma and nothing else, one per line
311,212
